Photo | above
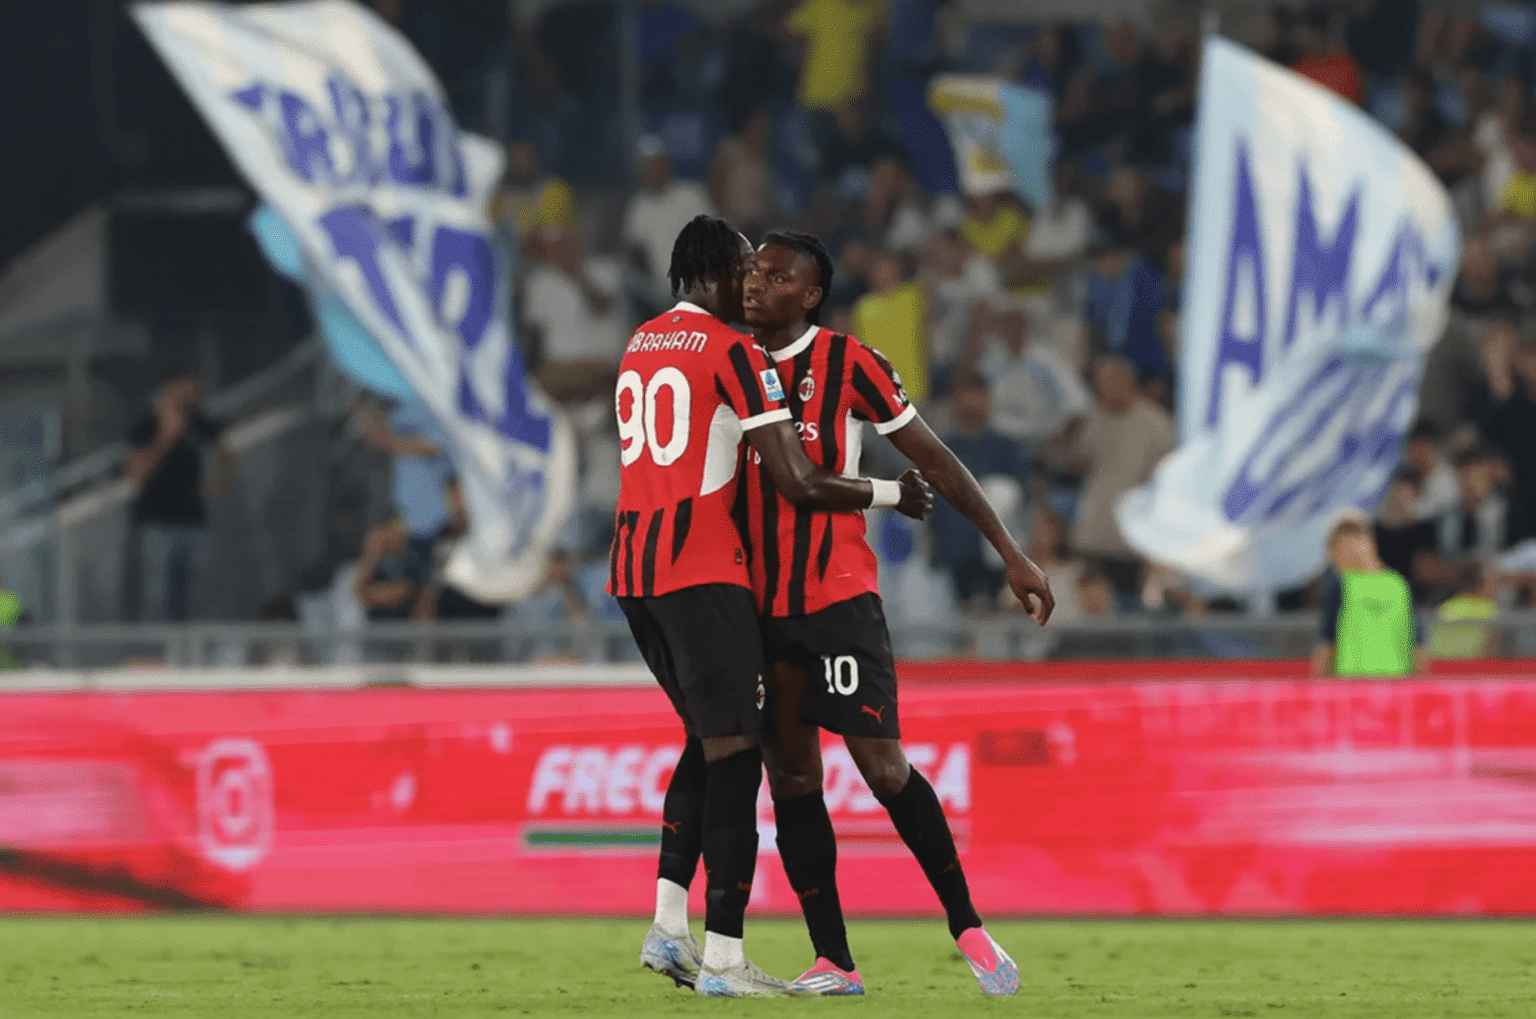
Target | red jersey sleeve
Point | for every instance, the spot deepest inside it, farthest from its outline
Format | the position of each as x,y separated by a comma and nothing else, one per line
878,394
749,383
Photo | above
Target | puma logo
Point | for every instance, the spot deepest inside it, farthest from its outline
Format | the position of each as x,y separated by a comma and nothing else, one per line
744,886
673,826
809,892
877,712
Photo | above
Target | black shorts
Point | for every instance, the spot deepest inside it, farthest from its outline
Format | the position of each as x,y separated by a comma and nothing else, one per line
850,672
703,646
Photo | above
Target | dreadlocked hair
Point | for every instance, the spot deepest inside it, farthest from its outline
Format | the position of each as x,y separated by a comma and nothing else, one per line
808,244
706,250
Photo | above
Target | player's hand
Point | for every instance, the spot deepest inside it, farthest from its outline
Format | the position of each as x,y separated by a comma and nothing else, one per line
916,497
1030,586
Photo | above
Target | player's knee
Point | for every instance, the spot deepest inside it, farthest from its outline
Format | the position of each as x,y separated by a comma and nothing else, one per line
787,785
883,765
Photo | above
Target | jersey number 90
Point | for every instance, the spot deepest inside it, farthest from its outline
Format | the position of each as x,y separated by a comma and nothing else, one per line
637,428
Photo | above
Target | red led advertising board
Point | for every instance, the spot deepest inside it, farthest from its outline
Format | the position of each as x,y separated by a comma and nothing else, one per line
1178,792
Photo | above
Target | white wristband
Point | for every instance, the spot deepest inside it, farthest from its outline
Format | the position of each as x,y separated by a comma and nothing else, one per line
886,493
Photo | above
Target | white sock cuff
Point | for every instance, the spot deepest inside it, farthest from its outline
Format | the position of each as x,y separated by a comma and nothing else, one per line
721,952
671,907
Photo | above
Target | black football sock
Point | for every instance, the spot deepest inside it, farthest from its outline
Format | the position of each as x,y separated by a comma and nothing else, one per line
682,816
730,839
808,848
920,822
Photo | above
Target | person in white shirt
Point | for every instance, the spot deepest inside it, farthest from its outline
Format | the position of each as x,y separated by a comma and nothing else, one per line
657,214
1035,394
574,313
1061,231
955,278
1422,452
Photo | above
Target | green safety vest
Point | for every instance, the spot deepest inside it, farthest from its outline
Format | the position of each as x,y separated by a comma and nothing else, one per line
10,609
1463,629
1376,625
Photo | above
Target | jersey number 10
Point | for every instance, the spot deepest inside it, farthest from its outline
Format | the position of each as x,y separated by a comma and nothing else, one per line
842,674
637,429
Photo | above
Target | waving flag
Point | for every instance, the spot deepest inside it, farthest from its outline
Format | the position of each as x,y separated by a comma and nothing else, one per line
1321,255
1001,135
377,202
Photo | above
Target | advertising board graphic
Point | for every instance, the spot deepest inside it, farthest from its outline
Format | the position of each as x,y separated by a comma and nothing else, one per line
1170,795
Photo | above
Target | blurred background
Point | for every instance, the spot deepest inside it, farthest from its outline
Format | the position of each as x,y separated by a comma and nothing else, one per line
298,520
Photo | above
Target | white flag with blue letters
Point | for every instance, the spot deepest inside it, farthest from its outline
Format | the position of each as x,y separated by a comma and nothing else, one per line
343,131
1321,254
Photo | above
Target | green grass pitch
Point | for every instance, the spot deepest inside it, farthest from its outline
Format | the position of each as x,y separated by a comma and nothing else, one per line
232,968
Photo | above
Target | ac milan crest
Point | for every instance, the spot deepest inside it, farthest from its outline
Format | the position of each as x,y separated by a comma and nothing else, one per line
807,388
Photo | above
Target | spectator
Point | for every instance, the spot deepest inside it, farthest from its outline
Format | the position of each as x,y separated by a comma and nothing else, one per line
1123,439
656,215
1464,623
957,546
1477,527
441,599
1059,234
1147,221
1053,57
837,55
1404,538
1095,593
955,278
170,508
1111,108
1454,375
574,315
1035,394
852,152
416,443
549,612
1423,127
530,199
897,211
1510,424
741,179
1125,295
1325,61
391,574
891,319
1436,480
1495,134
1368,625
994,225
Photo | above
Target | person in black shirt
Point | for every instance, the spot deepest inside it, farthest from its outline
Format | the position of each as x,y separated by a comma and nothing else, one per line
1402,539
1509,363
169,511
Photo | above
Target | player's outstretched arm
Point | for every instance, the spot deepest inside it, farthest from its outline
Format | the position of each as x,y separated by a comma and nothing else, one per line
956,483
805,484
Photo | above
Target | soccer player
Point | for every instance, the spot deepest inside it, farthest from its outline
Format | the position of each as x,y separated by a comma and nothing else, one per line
824,632
689,389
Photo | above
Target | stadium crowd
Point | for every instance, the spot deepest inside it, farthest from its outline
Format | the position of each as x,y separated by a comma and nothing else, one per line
1041,343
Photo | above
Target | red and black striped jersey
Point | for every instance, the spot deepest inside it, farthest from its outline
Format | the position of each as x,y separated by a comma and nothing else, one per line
805,560
689,387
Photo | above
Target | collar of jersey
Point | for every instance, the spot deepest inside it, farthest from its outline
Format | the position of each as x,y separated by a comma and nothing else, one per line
794,348
687,306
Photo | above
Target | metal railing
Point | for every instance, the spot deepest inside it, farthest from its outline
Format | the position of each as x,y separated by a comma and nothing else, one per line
595,640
